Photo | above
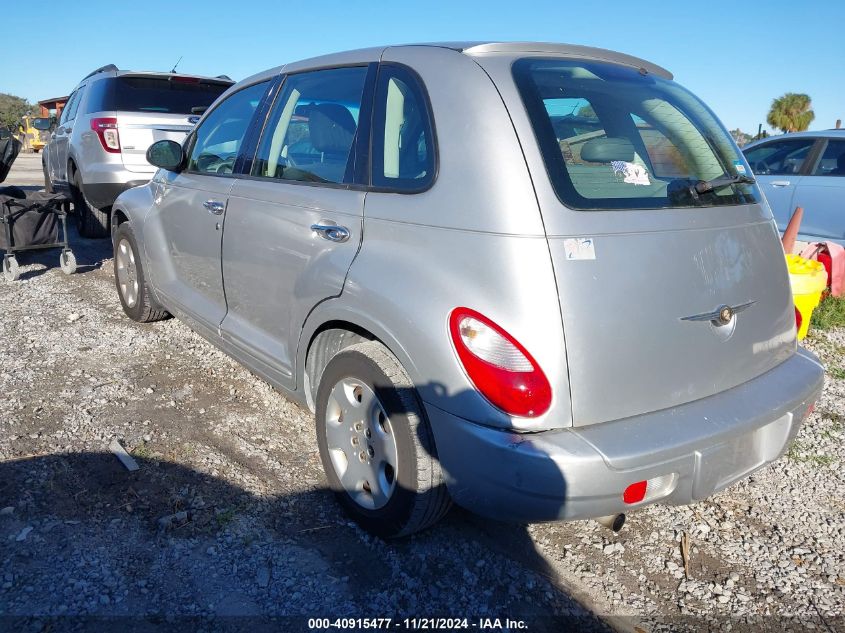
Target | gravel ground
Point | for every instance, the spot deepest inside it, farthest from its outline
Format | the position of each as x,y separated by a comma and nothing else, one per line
228,514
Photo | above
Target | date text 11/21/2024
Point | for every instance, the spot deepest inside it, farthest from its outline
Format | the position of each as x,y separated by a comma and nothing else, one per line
417,624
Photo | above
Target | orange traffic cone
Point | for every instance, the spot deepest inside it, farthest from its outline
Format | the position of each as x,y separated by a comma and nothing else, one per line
791,232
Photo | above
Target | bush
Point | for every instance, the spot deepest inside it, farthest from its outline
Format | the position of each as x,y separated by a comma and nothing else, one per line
829,314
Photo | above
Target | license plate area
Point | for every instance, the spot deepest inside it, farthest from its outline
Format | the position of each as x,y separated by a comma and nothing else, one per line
720,466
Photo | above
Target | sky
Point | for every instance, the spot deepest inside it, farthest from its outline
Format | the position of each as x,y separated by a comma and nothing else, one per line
736,56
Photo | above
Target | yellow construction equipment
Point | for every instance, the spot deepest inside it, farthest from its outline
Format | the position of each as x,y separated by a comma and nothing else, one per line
34,132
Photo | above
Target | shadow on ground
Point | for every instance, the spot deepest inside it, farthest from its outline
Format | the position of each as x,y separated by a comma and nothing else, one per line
82,536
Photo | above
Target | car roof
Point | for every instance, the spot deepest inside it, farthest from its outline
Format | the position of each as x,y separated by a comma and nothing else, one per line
472,48
832,133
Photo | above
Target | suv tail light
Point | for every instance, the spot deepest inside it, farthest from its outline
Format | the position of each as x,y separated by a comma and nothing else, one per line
499,367
798,319
106,129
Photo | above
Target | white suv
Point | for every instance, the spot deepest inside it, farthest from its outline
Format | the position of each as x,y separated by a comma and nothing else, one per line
98,149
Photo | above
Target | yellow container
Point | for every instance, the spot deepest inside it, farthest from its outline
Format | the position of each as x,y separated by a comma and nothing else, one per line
808,279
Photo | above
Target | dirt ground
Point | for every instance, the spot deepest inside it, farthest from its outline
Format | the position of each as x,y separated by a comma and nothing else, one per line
228,521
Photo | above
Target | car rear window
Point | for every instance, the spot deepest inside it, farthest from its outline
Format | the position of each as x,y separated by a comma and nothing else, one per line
614,137
172,95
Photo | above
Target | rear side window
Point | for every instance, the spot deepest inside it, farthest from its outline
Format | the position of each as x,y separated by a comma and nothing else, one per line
403,139
779,158
217,140
69,113
167,94
312,129
832,162
615,138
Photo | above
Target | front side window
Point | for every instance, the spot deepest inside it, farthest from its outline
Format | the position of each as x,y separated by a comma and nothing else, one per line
779,158
403,143
615,138
218,139
311,131
832,162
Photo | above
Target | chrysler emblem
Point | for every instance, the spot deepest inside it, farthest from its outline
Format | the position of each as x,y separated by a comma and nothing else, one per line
721,315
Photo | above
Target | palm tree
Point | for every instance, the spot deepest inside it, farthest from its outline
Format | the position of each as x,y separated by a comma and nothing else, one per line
791,113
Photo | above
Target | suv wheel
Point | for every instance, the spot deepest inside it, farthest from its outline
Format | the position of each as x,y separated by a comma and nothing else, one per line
376,444
91,221
135,297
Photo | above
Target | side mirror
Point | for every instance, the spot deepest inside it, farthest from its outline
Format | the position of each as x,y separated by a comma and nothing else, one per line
41,123
166,154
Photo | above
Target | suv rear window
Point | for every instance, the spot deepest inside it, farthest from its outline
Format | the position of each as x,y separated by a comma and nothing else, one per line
172,95
614,137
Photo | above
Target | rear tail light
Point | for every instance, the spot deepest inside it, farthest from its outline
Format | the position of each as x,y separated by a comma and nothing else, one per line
499,367
798,318
106,129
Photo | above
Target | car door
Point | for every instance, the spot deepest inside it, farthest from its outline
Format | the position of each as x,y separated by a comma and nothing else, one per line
821,193
778,165
293,224
184,228
58,157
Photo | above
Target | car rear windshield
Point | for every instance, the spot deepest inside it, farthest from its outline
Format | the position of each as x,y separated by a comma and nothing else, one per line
614,137
173,95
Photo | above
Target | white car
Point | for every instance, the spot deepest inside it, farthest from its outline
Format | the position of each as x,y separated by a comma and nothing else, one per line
806,169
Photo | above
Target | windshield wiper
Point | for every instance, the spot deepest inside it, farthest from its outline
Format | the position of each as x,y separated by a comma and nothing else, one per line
705,186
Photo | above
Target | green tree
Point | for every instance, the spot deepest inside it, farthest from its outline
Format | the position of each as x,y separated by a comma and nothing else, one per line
12,108
791,113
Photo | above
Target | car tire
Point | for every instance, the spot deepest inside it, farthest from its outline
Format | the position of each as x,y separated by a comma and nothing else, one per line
91,221
130,280
376,444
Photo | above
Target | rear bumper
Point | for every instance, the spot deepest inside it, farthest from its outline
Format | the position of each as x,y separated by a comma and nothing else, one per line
103,195
581,472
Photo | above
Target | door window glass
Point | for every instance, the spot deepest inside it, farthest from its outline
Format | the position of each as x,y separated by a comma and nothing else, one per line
403,151
779,158
219,137
311,131
832,162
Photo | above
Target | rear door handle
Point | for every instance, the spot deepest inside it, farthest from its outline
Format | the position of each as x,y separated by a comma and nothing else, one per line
214,207
331,232
780,183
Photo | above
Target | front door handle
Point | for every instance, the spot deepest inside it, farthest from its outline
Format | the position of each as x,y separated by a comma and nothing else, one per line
780,183
331,232
214,207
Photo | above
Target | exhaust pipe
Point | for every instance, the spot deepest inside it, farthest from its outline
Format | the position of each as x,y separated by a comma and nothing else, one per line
612,521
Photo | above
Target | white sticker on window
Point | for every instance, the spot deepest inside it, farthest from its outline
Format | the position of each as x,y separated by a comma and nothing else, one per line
632,173
579,248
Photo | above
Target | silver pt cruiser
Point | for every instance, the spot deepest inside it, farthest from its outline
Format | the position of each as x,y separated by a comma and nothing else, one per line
535,279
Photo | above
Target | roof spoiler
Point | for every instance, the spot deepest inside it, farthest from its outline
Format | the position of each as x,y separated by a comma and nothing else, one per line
101,69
